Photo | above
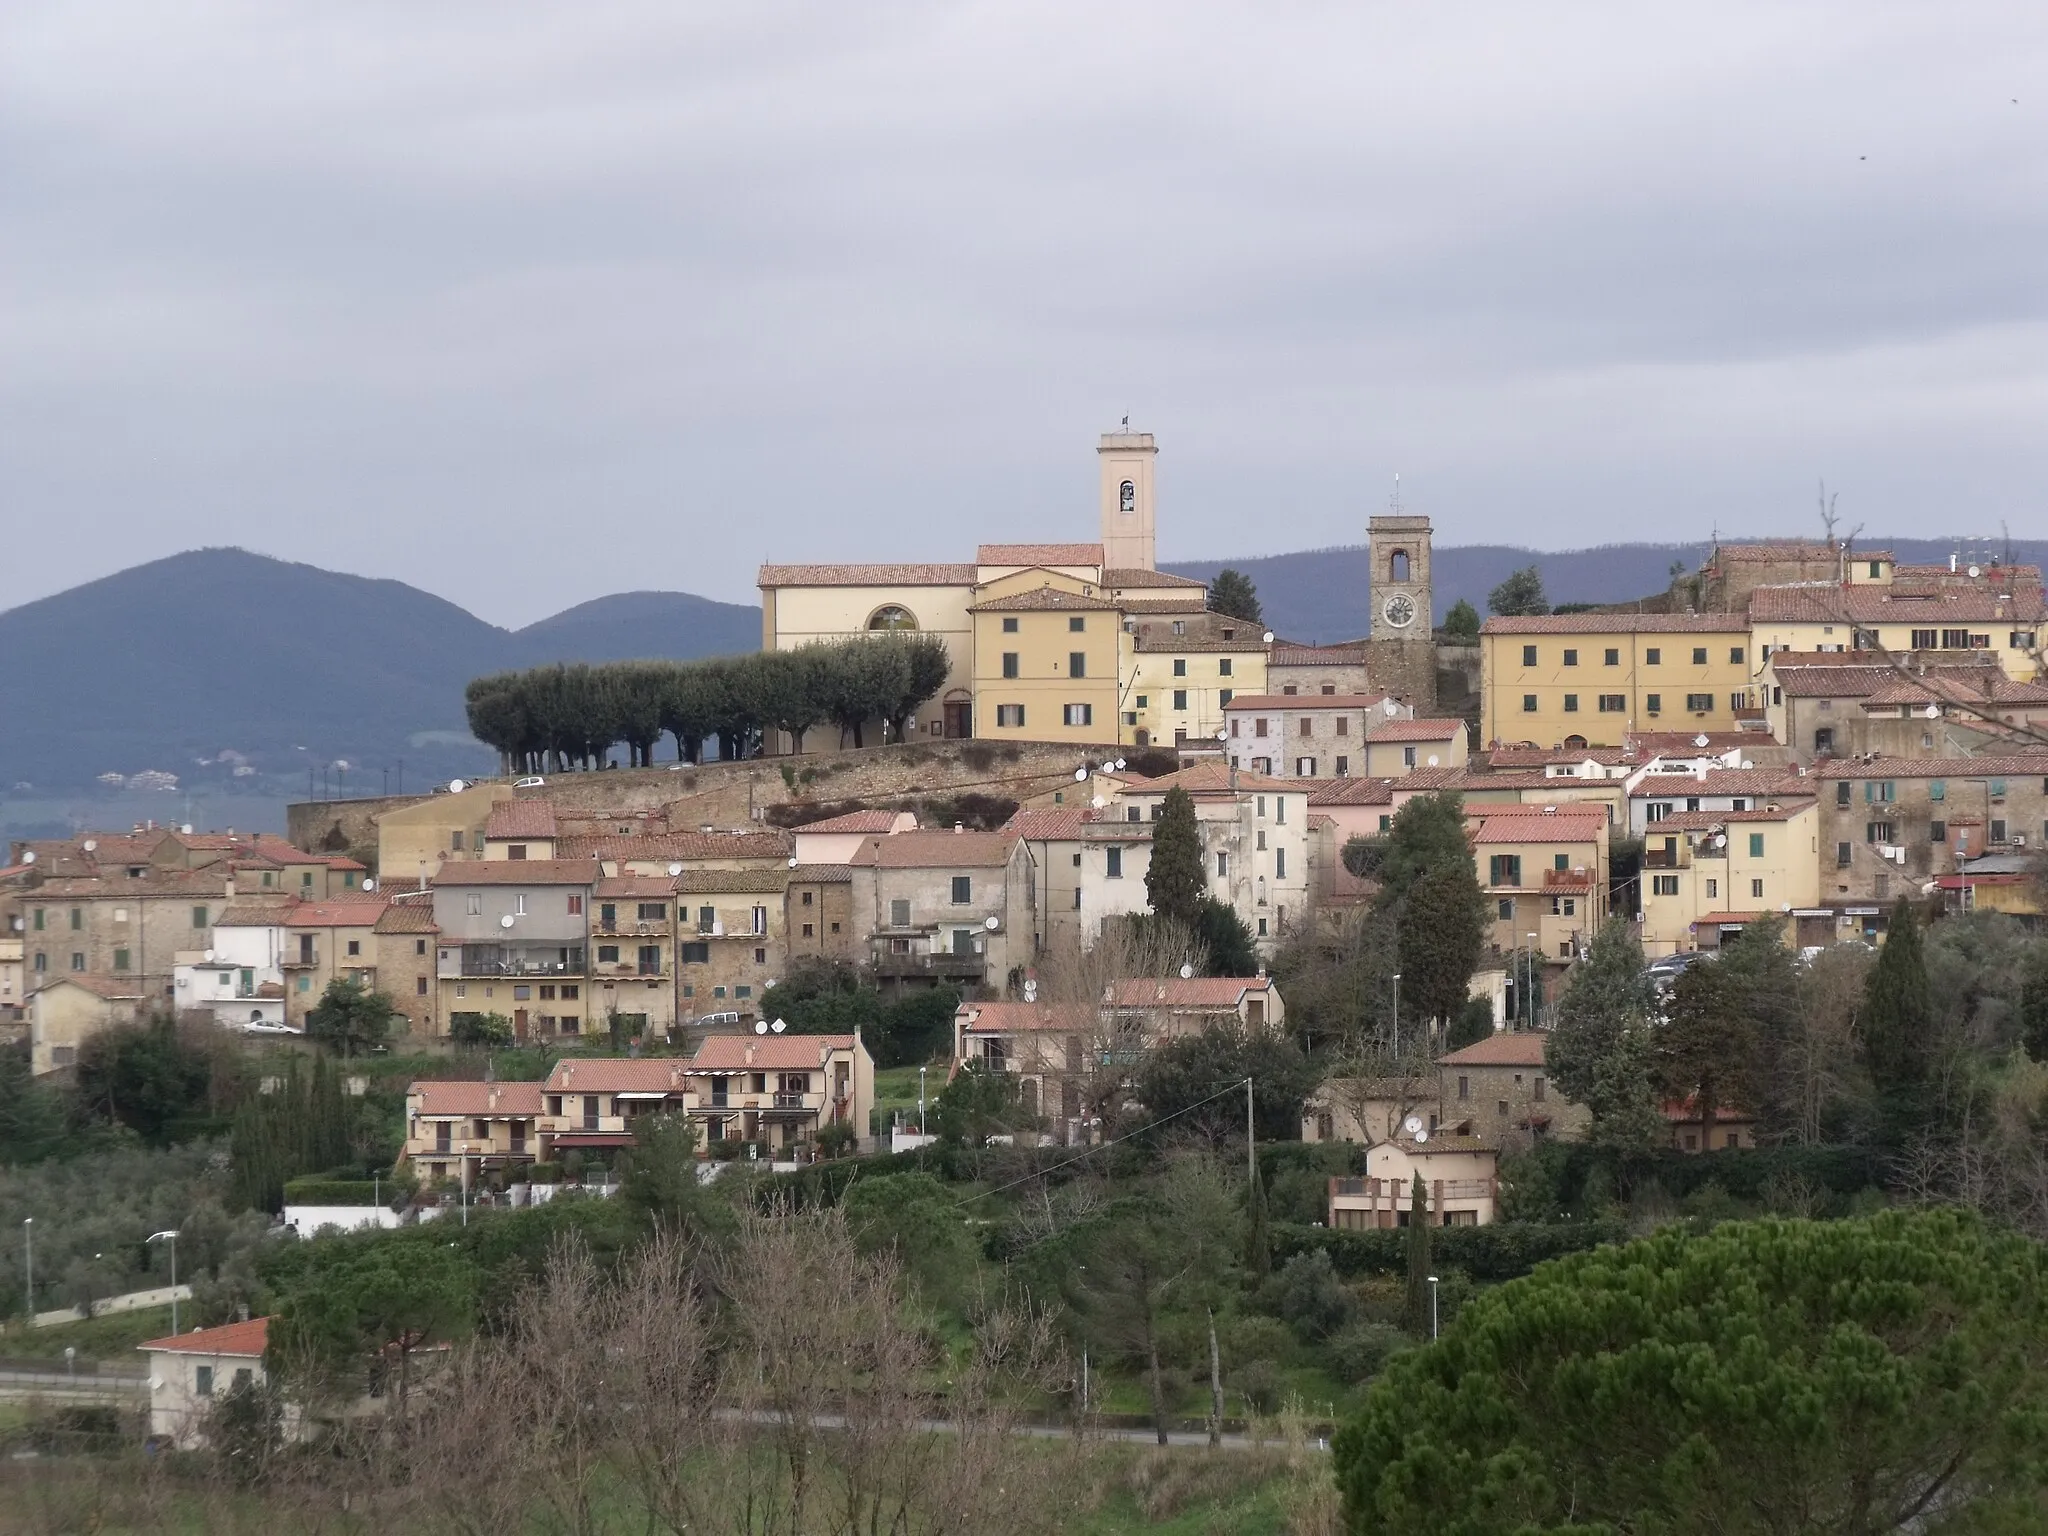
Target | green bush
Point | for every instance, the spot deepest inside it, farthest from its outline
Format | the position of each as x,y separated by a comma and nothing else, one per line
1255,1337
320,1191
1260,1383
1360,1352
1308,1296
543,1173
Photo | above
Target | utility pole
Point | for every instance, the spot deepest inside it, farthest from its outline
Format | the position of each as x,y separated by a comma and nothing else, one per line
1251,1139
172,1238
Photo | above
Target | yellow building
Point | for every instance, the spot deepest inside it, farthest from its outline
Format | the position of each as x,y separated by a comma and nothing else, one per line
1706,872
1186,668
412,840
1588,679
1544,870
1048,655
1929,613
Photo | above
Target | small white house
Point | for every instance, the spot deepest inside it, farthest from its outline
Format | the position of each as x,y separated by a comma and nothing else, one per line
1459,1177
190,1372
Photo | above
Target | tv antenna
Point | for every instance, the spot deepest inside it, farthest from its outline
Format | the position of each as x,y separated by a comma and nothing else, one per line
1394,501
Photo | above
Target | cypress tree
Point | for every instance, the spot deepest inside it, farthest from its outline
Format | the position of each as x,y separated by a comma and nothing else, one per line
1418,1259
1443,930
1258,1232
1178,879
1898,1022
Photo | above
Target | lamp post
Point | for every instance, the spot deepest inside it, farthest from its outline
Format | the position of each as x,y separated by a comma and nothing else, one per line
1432,1306
1397,1013
920,1100
28,1255
170,1237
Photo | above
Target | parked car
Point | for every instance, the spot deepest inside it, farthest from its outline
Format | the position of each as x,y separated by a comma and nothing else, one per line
535,782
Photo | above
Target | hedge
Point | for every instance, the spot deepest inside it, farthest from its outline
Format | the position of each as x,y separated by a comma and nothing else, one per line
1503,1250
318,1191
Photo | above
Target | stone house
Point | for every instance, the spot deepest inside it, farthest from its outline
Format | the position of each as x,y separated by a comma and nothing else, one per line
733,939
405,940
1890,825
327,941
946,907
818,914
1500,1087
1255,841
1306,736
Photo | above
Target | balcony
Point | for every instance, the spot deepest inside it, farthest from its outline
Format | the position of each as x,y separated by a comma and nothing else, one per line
633,927
950,966
1570,879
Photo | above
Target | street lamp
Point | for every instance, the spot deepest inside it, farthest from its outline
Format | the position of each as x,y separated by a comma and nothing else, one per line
920,1100
1432,1306
170,1237
1397,1013
28,1254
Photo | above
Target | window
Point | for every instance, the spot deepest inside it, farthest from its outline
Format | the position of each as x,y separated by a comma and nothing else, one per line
1304,768
1756,889
1504,869
1010,626
39,919
1528,703
1664,885
1937,831
419,946
575,904
355,946
1223,696
1408,757
1079,714
707,919
202,1381
519,903
1113,863
1937,789
419,986
1571,658
1699,703
1504,909
1258,727
656,911
1009,663
963,890
1613,703
1223,667
1713,890
1308,725
1076,623
1879,791
810,930
1464,1087
1280,809
77,918
1735,655
78,962
1144,701
695,954
1658,810
1879,832
1180,698
1842,851
1756,845
1654,656
899,913
1280,854
121,961
1955,639
1180,667
1571,703
1998,829
1923,640
1343,764
475,904
1528,655
1011,715
1653,703
1699,655
516,851
1077,663
1222,866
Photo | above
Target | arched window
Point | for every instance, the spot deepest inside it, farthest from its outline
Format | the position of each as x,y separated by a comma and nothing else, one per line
891,617
1127,497
1575,743
1397,566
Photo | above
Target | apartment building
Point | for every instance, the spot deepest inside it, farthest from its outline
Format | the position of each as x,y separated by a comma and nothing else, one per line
779,1091
1707,874
514,939
1918,611
1588,679
734,939
945,907
456,1131
1089,866
1544,871
327,941
127,921
1889,825
1255,840
1311,736
633,955
1187,668
1669,789
1048,657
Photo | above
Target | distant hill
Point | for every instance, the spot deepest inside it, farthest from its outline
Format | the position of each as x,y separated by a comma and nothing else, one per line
1321,594
283,666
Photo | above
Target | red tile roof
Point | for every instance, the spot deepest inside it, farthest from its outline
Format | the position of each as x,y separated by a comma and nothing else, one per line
936,850
115,989
767,1053
1039,554
1044,599
440,1096
1537,757
241,1339
635,888
566,871
1618,623
1211,779
408,917
1185,992
1286,653
1503,1048
337,914
618,1074
1416,730
920,575
678,846
853,821
1531,824
1348,791
1125,576
1051,825
1926,607
1017,1018
521,818
1715,781
1701,821
2015,765
1305,701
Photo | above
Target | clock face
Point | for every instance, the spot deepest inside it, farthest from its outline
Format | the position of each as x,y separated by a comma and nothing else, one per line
1399,610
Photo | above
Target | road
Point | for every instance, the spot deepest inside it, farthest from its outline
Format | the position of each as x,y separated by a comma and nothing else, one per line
160,1297
59,1386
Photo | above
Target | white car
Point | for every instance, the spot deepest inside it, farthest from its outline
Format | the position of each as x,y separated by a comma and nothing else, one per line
536,782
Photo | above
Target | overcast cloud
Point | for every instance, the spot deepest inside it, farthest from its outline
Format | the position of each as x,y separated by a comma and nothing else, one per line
527,303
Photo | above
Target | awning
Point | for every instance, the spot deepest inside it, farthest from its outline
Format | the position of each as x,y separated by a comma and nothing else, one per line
657,1097
593,1138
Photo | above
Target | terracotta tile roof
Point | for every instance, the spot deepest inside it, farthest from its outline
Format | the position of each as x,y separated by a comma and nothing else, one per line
926,575
1053,824
1618,624
618,1074
1443,776
115,989
1185,992
115,885
1349,791
337,914
1537,757
678,846
1805,680
1286,653
1929,608
1046,599
1445,1144
1776,552
1415,730
1716,781
1504,1048
1019,1018
1211,779
767,1053
1649,744
634,888
1305,701
937,850
2014,765
245,913
239,1339
853,821
1702,821
562,871
713,882
1127,576
408,917
821,874
438,1096
1530,824
521,818
1039,554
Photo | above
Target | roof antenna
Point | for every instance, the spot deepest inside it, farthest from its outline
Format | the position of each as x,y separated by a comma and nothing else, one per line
1127,424
1394,501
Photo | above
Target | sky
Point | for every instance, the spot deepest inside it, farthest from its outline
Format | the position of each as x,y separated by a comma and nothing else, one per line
528,303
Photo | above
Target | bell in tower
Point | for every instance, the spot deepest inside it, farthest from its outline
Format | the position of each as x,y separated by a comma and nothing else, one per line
1128,530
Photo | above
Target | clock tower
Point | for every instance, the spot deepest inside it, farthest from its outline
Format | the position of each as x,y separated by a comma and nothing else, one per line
1400,645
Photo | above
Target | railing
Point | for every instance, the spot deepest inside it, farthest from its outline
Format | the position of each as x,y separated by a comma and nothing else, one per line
792,1101
947,964
519,968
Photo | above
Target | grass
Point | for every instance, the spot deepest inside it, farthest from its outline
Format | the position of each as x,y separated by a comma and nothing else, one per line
896,1089
111,1338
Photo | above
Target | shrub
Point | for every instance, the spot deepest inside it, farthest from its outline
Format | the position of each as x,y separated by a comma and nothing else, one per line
1252,1337
331,1192
1309,1297
1259,1382
543,1173
837,1139
1359,1353
1502,1251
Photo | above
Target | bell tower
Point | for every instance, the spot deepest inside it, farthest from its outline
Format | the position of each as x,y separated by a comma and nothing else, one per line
1128,527
1400,651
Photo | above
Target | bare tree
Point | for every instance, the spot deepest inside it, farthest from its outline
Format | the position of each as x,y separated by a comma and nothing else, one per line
1377,1085
1819,1059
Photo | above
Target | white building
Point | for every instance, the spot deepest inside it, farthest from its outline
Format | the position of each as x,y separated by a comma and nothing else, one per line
190,1372
1255,841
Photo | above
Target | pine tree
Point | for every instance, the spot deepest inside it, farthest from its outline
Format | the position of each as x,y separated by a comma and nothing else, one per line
1462,620
1177,880
1418,1259
1232,593
1428,833
1897,1023
1520,596
1707,1048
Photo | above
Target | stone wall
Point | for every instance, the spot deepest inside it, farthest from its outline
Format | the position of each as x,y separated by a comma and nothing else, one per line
732,794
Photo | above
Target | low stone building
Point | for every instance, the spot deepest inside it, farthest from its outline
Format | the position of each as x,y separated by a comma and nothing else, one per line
1501,1088
66,1011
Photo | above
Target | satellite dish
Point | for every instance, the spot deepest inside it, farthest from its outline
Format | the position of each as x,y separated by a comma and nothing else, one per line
1975,572
792,863
1389,708
186,829
1432,759
1747,765
991,923
1700,740
29,857
90,844
1933,711
209,956
505,921
768,983
369,885
1221,736
1784,906
1098,802
1421,1137
760,1026
779,1025
674,870
456,786
1119,765
1080,775
1186,971
1030,991
1412,1125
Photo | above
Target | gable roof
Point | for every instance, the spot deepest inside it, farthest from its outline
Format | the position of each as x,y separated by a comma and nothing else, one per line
458,872
1416,730
1326,792
1038,554
1131,576
2017,766
1043,599
1930,605
1503,1048
767,1053
908,575
1212,779
1286,653
1715,781
1015,1018
441,1096
852,821
681,846
936,850
336,914
520,818
1305,701
1184,991
241,1339
1703,821
1537,824
617,1074
408,917
1617,623
114,989
1053,824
